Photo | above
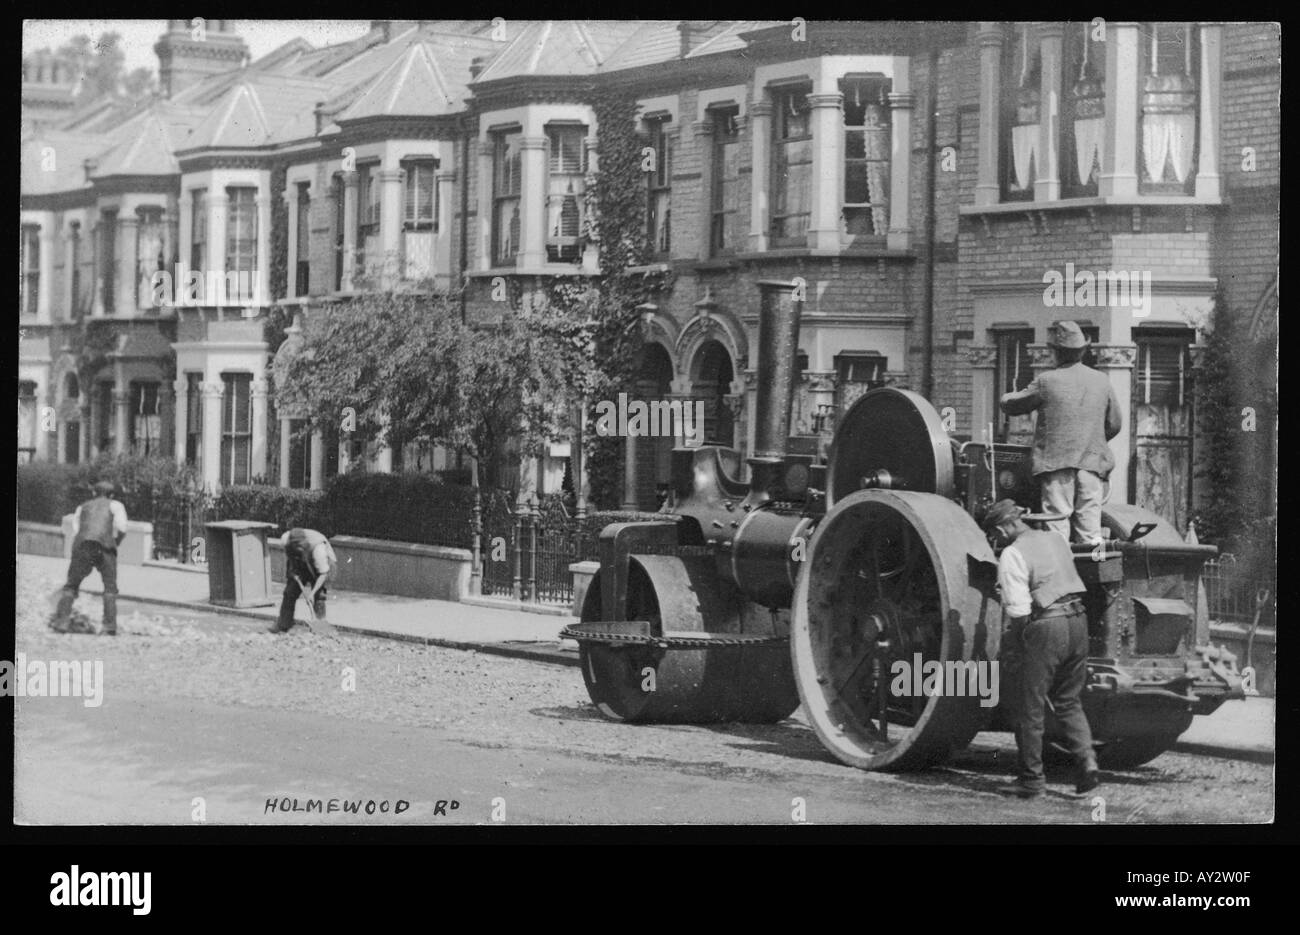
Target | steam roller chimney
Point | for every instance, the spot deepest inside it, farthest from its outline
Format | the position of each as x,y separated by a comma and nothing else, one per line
780,309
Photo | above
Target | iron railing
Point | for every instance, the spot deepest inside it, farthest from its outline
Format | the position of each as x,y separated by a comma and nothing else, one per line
1235,591
525,549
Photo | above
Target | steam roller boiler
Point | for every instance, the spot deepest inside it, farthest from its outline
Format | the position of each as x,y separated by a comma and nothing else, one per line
811,579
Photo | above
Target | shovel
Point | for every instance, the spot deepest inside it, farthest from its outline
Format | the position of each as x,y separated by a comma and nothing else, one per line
318,626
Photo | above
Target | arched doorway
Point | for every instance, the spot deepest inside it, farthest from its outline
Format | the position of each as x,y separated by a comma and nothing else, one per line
712,378
653,455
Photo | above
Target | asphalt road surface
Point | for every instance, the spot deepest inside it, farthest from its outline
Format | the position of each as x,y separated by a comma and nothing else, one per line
208,718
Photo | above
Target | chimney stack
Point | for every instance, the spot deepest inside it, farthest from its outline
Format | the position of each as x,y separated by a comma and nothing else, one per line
476,66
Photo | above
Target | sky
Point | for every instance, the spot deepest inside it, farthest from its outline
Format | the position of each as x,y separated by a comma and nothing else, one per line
139,35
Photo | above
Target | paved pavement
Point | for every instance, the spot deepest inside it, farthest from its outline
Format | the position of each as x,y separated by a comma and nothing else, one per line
1242,729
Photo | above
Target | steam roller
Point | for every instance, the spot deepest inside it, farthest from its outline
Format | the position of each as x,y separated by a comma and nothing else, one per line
811,581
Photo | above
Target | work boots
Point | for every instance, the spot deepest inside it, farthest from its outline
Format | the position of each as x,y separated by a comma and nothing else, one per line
62,621
110,615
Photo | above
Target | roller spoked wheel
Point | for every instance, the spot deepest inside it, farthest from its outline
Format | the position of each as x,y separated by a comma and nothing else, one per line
888,581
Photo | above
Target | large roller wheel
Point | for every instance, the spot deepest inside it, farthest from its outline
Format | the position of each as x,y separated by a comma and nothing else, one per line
697,676
888,578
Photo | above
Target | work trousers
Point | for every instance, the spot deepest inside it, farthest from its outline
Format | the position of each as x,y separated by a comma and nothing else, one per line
1077,494
1051,665
292,592
88,557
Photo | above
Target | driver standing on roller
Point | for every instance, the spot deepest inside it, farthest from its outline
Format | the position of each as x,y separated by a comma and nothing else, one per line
1078,415
1045,645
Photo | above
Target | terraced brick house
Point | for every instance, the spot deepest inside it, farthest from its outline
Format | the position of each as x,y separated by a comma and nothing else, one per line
924,181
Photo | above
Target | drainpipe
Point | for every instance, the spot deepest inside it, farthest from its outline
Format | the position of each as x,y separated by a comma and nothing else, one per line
931,105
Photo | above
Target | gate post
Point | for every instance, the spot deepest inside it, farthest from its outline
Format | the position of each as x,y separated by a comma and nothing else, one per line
476,566
520,510
534,515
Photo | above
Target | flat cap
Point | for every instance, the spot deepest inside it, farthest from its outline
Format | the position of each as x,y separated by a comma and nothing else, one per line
104,487
1001,512
1066,334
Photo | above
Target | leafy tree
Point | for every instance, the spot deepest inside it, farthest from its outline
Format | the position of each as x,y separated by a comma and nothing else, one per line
1219,405
410,368
101,64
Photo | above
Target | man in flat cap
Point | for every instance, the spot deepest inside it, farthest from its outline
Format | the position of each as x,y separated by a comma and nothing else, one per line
309,561
99,526
1045,645
1078,415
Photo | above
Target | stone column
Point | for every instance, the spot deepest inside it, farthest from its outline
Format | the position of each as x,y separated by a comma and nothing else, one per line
827,119
121,418
45,236
349,230
97,270
216,259
87,428
212,401
989,37
1207,163
760,128
291,252
180,414
629,474
71,236
262,284
702,134
128,229
1119,160
983,362
390,225
258,391
317,460
532,207
285,431
1116,361
899,236
1047,186
445,179
166,418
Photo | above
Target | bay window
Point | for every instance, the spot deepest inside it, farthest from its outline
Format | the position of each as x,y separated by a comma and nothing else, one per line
150,249
199,229
236,428
1083,112
302,244
30,270
792,166
565,185
659,188
108,260
726,228
421,196
506,166
1170,58
146,420
194,419
241,241
1021,115
866,157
